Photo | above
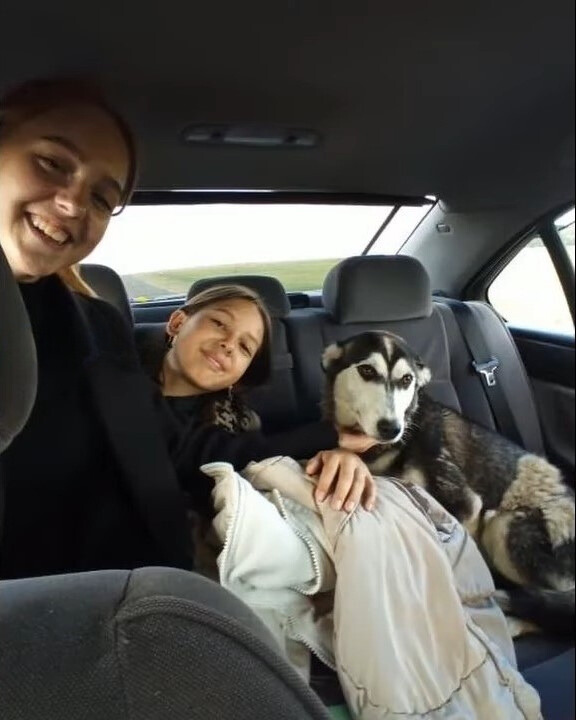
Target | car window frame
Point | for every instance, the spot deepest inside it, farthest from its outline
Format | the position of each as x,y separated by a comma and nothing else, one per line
545,228
560,259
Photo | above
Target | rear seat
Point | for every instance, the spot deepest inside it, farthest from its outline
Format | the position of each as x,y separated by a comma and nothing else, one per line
376,292
511,375
393,293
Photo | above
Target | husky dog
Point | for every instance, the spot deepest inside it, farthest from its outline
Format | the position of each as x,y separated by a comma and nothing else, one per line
513,503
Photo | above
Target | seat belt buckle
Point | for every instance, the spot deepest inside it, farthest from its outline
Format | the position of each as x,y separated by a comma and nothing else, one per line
487,370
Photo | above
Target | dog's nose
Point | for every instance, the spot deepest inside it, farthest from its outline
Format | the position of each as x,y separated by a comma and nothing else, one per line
388,429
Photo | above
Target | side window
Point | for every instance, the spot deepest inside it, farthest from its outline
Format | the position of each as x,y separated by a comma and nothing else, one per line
528,292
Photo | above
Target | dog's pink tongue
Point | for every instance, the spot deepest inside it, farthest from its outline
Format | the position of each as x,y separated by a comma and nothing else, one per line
356,443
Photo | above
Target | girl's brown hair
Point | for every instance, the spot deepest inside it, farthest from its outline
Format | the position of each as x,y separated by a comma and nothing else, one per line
34,97
258,371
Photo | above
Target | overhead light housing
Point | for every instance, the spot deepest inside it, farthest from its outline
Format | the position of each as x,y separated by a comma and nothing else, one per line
264,136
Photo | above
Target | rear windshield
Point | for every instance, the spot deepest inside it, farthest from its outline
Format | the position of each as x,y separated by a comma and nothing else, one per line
159,250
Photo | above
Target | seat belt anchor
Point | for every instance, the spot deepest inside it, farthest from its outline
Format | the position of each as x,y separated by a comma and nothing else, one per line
487,370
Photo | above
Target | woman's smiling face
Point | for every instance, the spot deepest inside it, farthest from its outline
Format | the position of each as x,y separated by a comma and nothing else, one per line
62,173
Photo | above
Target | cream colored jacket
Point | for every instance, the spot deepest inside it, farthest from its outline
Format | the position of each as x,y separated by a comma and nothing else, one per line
413,631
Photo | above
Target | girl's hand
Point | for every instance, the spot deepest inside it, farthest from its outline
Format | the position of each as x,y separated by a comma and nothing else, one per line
342,473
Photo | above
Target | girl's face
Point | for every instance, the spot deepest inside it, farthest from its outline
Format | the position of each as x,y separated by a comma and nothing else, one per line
61,176
213,348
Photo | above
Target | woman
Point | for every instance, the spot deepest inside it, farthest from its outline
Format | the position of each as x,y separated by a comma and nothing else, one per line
218,344
90,482
78,494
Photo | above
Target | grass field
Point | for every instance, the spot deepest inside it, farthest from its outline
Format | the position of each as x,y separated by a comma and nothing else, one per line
294,275
527,292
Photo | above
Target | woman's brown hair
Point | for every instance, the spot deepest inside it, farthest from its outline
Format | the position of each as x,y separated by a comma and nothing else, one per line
258,371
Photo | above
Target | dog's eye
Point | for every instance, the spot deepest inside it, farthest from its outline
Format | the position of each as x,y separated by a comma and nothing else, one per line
406,380
368,372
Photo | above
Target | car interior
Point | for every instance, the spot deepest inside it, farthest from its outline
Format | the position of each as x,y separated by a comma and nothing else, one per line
463,113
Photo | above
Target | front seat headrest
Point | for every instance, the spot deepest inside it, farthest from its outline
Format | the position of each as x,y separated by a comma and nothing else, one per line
18,371
268,288
108,285
377,288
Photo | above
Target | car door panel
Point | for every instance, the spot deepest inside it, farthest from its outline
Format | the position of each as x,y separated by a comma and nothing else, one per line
550,362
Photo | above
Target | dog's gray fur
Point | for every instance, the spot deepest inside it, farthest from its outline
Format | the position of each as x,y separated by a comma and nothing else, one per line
514,503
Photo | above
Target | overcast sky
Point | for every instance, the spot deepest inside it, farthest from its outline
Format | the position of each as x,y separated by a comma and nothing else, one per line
148,238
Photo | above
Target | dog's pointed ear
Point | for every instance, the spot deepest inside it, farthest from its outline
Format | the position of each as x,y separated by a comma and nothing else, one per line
423,373
331,354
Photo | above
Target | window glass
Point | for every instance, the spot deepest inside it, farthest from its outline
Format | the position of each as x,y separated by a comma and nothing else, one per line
159,250
528,292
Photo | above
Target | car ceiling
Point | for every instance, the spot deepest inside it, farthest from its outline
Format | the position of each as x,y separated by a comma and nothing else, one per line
470,102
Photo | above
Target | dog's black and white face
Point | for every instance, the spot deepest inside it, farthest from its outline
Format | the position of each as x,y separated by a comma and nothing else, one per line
373,383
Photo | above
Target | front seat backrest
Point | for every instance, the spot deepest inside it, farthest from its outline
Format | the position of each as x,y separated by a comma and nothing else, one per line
108,285
148,644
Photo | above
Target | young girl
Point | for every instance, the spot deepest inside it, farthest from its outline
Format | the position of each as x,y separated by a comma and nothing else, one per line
218,344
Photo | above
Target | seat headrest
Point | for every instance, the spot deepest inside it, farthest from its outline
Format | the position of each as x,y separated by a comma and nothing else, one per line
18,371
269,288
108,285
377,288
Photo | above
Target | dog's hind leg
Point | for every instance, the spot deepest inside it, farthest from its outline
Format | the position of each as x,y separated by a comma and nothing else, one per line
534,609
516,626
519,546
535,523
495,542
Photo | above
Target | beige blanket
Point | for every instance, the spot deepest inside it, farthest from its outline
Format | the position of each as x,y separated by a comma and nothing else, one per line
413,632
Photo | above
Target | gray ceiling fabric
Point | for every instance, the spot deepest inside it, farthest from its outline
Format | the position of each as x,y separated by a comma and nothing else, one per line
18,373
409,99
